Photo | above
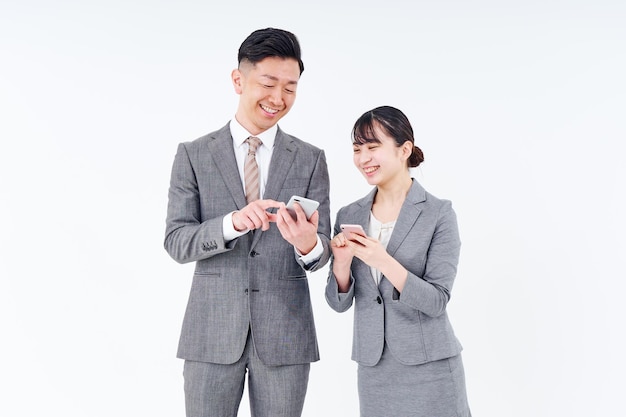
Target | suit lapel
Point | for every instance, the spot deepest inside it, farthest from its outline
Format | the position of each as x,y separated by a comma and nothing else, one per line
362,213
409,213
362,217
221,149
282,158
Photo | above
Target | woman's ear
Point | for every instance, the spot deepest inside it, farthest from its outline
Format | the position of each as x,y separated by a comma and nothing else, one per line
407,150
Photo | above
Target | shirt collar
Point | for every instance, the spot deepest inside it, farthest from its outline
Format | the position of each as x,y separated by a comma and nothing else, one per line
240,134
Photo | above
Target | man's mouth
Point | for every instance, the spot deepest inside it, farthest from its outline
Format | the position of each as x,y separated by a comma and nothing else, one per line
269,109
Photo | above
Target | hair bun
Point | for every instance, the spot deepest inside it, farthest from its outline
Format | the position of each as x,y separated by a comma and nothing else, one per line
416,158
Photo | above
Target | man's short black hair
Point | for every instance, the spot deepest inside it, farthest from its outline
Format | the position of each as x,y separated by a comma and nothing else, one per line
263,43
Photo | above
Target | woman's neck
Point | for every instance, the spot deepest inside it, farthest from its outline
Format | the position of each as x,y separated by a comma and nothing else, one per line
389,199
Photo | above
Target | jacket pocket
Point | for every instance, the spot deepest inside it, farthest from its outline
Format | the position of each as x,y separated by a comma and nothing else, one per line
206,274
293,277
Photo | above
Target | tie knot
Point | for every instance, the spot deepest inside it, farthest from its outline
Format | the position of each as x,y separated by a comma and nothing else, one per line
253,144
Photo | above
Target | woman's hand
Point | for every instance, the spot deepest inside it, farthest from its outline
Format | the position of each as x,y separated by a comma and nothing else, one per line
372,252
369,250
342,259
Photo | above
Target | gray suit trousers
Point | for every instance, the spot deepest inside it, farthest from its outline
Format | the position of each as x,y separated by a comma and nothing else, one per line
215,390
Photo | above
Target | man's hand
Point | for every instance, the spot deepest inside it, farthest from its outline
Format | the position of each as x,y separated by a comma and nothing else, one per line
255,215
300,232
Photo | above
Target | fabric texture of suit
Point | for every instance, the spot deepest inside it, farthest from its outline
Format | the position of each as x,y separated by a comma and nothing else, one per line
414,324
255,281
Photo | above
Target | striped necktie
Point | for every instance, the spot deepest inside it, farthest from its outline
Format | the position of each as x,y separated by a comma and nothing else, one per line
251,170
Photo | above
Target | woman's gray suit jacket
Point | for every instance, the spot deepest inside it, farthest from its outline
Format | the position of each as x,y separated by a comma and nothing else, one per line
415,325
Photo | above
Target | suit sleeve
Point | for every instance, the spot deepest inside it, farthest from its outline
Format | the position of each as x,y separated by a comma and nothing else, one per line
187,237
430,293
319,190
339,302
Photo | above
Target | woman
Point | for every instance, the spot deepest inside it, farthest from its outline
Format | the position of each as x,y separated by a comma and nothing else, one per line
400,277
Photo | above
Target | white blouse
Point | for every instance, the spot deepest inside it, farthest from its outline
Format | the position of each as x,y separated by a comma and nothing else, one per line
382,232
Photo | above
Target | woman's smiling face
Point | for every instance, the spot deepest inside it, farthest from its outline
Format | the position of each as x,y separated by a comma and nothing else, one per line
381,161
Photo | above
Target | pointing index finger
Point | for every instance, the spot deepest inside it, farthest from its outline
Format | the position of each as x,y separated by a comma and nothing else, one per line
266,204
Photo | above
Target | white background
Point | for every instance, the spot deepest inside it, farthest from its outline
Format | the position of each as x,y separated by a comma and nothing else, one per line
517,105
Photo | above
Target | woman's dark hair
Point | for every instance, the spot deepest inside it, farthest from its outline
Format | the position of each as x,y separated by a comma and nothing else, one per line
394,123
263,43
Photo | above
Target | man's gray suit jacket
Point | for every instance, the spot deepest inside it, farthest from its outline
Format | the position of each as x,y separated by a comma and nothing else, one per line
414,324
255,281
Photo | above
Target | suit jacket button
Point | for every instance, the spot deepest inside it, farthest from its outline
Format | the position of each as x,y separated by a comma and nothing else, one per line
253,253
378,300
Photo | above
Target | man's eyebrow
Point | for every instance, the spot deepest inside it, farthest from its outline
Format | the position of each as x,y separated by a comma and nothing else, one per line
273,78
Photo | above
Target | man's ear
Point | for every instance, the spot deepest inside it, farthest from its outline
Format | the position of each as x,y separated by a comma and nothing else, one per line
237,82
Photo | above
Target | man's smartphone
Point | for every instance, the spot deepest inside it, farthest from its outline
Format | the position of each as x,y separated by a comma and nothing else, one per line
348,229
309,206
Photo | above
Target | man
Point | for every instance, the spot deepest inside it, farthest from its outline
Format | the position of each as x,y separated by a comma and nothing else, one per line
249,308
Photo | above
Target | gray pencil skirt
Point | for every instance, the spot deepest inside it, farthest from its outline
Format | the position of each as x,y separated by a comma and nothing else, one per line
433,389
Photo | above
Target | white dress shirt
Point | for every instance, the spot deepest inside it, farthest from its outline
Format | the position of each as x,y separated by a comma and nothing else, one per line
382,232
263,158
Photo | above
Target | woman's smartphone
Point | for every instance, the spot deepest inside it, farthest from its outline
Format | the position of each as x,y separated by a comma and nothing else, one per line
348,229
309,206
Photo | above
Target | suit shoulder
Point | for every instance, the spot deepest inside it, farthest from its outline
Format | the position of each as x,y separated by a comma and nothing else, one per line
355,206
301,143
441,206
420,195
437,201
202,140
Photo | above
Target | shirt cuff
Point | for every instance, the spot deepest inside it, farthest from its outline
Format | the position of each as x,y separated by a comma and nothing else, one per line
312,256
229,230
